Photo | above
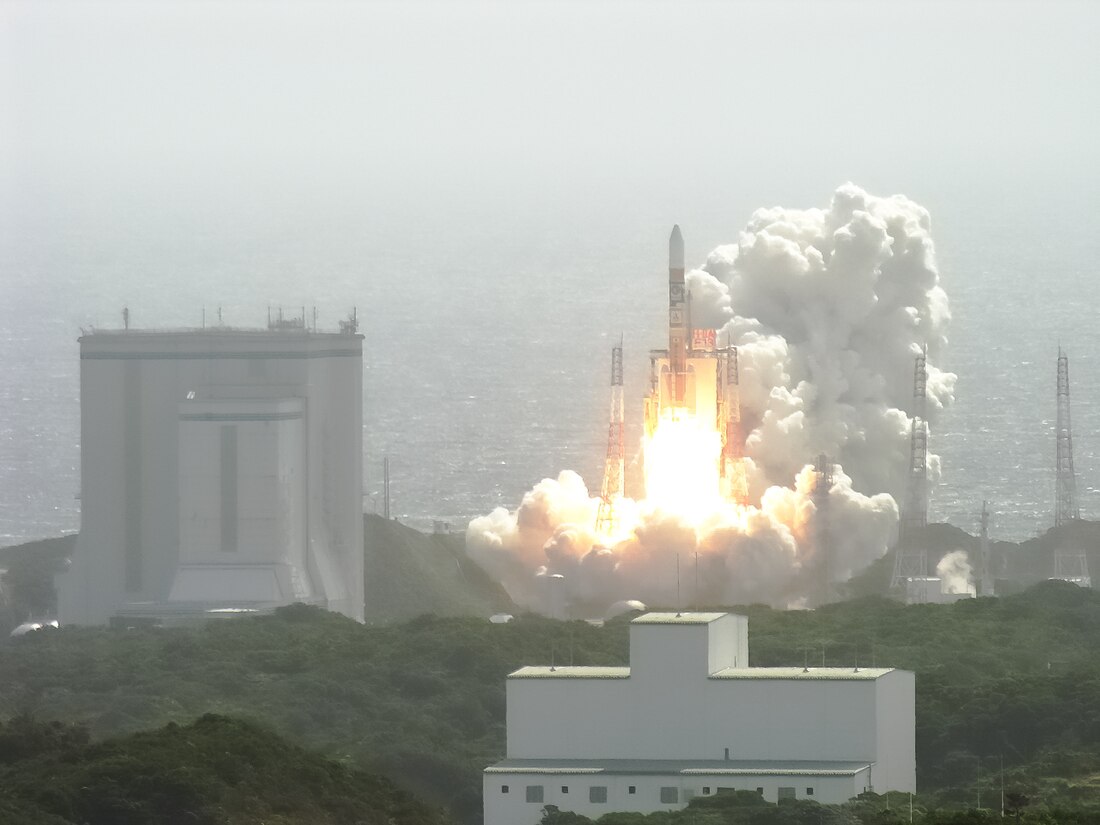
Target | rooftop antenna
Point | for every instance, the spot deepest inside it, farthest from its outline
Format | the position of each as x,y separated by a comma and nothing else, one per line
697,602
220,317
678,610
204,316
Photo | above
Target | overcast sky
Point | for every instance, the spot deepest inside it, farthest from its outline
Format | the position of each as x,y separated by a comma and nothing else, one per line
454,96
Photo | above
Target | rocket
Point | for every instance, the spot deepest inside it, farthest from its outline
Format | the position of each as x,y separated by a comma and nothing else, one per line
677,318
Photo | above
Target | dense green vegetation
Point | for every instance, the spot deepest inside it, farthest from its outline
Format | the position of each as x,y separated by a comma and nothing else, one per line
423,701
212,772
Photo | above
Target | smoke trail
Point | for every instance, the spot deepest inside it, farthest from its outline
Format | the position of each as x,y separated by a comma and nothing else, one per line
955,571
828,309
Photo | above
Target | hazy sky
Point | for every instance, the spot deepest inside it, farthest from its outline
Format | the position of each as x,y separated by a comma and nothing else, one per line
460,100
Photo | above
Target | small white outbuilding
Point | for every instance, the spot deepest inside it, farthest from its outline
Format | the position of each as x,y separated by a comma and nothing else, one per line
690,718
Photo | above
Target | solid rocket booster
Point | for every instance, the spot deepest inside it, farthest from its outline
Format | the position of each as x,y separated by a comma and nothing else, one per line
677,318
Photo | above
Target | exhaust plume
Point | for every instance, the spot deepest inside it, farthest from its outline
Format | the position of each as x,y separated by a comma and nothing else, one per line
828,309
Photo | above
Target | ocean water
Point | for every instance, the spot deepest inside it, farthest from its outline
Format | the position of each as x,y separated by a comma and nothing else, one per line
488,328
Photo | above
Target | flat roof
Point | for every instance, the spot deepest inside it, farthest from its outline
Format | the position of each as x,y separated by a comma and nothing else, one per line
570,672
842,674
795,674
678,618
684,767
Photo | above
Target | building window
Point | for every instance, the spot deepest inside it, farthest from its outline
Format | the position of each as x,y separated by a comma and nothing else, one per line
809,792
597,793
632,789
706,790
670,796
504,789
534,793
565,789
786,793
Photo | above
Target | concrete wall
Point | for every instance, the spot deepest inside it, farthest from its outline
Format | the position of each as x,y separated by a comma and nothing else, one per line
512,808
666,717
895,729
132,387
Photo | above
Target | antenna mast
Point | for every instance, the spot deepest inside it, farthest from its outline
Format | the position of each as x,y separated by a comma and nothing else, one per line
615,465
1065,490
912,557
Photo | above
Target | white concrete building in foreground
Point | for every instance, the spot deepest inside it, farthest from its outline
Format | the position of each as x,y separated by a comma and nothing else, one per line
688,718
221,471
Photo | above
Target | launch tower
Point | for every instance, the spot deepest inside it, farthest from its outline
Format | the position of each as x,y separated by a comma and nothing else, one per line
912,557
734,485
614,466
985,573
823,483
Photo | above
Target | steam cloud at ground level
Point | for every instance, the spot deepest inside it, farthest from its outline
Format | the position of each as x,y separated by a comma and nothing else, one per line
828,309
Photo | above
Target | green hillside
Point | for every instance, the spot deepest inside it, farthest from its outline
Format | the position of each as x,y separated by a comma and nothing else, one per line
423,701
408,573
214,771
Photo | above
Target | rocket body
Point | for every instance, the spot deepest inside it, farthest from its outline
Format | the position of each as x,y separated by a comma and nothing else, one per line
677,319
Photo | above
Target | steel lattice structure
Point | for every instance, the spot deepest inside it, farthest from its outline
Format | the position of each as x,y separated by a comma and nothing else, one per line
732,460
615,465
823,483
912,557
1065,490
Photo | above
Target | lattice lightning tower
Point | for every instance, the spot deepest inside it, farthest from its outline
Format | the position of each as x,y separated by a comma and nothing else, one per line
985,573
912,557
615,465
823,483
732,461
1065,490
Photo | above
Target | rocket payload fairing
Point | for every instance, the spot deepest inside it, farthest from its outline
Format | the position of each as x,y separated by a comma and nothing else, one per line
677,319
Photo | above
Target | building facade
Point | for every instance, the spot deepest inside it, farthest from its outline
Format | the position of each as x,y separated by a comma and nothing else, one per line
688,718
221,470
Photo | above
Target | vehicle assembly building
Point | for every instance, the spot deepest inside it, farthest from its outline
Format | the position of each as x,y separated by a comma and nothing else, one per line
221,470
688,718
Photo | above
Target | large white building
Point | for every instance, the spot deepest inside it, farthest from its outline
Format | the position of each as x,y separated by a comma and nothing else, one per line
688,718
221,470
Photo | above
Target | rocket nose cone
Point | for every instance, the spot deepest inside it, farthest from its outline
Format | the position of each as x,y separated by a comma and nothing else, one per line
676,249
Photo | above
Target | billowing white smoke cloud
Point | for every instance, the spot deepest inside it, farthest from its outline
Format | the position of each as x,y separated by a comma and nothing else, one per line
955,572
828,309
